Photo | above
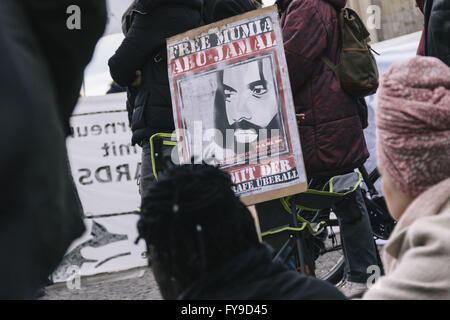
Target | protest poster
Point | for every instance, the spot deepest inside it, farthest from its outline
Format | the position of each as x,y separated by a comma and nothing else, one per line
233,105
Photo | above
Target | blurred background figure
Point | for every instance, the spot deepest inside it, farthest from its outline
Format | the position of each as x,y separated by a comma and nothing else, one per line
42,63
413,150
435,40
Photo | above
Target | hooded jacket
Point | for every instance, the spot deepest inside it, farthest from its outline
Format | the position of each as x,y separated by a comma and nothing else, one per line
331,134
417,255
144,48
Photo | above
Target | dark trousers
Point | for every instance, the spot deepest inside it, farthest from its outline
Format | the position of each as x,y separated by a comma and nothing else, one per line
357,241
147,176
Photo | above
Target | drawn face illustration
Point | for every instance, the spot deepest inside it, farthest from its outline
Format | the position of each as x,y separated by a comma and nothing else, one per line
250,99
247,112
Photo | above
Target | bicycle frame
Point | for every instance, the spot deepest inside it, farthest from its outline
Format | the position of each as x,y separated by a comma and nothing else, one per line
303,255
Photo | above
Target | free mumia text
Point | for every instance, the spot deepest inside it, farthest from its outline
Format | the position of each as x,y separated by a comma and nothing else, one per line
219,46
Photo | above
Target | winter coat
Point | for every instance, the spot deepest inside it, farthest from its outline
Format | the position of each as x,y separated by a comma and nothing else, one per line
417,254
215,10
437,30
254,276
144,48
331,134
42,69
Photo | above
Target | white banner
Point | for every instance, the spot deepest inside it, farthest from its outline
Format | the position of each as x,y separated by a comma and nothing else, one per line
106,170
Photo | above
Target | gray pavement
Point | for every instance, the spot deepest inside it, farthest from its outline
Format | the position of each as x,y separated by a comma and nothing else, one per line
134,284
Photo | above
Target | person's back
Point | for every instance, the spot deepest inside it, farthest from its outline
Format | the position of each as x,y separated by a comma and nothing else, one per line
144,49
331,133
204,244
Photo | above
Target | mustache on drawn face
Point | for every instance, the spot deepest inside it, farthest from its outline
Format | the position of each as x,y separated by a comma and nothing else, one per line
245,131
245,125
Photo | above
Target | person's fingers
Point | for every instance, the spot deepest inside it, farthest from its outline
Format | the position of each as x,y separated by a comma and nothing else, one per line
300,117
137,81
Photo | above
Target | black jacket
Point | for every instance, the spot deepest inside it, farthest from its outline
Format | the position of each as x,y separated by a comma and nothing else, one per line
437,28
144,48
254,276
215,10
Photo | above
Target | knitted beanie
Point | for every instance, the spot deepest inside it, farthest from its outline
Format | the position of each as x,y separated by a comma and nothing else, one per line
413,124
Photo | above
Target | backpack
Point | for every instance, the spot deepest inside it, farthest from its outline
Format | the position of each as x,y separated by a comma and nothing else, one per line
357,69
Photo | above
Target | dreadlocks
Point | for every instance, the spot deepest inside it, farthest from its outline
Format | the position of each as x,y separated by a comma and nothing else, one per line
194,221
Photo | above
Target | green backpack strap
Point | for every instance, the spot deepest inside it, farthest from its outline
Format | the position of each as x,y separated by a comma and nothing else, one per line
330,64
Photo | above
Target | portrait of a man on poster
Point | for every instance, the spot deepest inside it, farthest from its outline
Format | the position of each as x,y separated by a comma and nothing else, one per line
247,114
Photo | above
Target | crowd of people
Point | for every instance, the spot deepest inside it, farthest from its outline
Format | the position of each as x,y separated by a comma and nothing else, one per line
202,240
310,30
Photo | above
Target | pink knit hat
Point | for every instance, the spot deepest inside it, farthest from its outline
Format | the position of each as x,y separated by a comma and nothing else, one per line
413,122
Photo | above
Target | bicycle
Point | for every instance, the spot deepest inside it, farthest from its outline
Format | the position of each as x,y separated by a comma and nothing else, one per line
312,235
